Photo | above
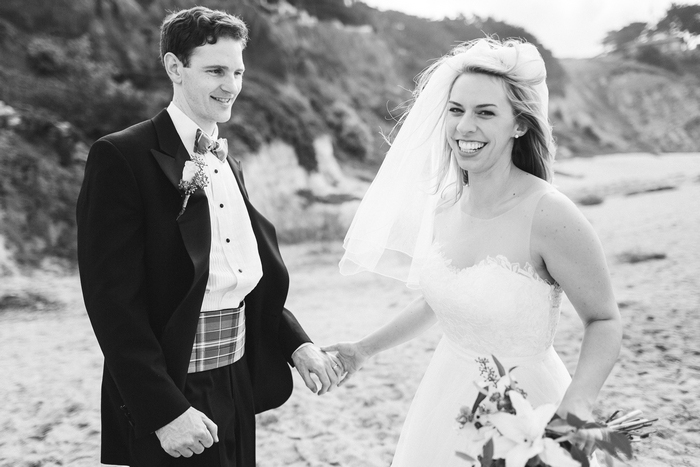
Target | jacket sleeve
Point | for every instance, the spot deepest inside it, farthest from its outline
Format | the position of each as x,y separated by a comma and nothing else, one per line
111,258
291,335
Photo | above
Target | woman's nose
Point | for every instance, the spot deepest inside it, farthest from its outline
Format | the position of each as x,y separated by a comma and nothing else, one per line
466,124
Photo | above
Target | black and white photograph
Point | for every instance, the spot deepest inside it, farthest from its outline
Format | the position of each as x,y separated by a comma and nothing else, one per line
349,233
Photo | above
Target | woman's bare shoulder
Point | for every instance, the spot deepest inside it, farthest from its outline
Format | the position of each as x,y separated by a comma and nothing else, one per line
558,220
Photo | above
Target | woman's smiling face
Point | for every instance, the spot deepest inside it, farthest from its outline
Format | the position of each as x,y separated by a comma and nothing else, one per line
480,124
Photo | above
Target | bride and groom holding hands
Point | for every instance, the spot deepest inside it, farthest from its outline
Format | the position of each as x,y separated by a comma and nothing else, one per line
185,287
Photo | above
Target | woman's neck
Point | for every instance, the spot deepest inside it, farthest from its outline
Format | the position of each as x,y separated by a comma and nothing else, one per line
490,191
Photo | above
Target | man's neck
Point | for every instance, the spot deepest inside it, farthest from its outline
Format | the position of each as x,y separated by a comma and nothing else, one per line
181,104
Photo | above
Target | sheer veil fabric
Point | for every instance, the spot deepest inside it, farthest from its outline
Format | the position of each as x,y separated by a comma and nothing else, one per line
392,230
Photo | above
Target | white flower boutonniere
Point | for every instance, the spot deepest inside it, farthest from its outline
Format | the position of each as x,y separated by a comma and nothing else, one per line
193,178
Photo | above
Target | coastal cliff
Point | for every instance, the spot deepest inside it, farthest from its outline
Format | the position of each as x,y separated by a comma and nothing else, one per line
323,88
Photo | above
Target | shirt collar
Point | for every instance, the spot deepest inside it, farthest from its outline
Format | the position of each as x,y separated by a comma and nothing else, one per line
186,127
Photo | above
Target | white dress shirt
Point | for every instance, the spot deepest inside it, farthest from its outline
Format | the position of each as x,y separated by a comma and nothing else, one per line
234,263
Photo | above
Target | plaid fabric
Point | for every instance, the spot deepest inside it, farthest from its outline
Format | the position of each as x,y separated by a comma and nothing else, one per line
220,339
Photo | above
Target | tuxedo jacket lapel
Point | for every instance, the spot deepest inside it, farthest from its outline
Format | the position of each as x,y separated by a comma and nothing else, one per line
238,173
194,223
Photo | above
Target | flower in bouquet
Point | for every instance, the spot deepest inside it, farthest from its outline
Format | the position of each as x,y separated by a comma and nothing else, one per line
521,435
193,179
503,429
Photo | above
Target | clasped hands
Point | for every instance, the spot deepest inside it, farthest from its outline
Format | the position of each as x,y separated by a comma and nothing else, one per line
192,431
331,369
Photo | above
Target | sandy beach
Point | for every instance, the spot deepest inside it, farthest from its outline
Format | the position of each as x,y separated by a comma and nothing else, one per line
648,222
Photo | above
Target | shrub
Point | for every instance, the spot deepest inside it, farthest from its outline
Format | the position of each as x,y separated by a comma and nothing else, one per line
327,10
351,135
653,56
38,202
66,18
267,111
79,89
46,57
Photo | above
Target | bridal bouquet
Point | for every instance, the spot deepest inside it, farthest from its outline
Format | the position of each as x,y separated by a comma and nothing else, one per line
504,430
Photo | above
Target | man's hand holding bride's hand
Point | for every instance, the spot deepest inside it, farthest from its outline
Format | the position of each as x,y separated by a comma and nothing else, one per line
310,359
352,357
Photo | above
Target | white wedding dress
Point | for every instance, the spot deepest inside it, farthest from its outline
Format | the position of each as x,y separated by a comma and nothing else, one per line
489,300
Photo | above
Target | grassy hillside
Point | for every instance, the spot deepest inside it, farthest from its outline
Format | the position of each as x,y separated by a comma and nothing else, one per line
319,75
616,105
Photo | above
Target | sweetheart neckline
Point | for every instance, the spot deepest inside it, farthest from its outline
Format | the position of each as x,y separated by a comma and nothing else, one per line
499,260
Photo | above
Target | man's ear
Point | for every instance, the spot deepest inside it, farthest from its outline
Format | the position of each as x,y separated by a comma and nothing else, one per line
173,66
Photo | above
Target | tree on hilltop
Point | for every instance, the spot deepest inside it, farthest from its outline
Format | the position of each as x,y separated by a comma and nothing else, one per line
682,21
622,39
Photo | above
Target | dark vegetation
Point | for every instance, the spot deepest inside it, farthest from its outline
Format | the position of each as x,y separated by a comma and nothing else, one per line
74,70
664,45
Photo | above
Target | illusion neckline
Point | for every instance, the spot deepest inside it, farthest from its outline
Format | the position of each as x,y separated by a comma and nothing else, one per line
542,191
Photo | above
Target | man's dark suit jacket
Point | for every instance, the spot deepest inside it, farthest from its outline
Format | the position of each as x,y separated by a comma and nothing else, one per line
144,275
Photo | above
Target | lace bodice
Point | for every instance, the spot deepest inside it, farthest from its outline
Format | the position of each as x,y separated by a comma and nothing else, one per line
494,307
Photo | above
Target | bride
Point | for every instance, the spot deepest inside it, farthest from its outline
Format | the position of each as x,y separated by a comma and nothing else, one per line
463,209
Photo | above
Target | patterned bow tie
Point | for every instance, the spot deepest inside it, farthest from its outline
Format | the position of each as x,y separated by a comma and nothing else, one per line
204,143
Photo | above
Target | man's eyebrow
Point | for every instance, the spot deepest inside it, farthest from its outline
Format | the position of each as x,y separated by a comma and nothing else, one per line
222,67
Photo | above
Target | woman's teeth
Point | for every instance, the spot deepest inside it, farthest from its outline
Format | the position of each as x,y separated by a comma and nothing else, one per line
470,146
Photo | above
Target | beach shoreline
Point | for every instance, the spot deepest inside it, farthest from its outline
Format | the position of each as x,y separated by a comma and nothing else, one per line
648,221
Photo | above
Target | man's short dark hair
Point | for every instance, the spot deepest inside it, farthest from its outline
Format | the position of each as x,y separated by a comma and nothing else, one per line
183,31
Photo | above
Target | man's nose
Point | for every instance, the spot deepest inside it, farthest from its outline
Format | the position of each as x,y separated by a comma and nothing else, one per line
232,85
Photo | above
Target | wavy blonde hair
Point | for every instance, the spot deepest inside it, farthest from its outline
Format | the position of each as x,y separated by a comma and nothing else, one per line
523,75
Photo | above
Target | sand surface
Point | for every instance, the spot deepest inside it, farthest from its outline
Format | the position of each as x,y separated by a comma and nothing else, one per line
50,362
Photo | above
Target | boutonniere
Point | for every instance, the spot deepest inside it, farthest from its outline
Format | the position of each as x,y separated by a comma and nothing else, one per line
193,178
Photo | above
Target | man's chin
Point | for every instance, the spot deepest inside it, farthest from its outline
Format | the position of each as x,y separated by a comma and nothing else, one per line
223,117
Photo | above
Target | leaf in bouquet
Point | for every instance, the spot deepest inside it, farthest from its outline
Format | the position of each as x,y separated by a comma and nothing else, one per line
612,417
487,455
465,456
558,425
574,421
590,425
608,459
579,455
621,442
479,398
607,447
499,367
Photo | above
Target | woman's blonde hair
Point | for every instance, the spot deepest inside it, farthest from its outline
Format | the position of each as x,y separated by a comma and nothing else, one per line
522,71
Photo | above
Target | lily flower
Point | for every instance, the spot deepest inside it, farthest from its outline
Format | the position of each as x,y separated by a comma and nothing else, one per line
523,435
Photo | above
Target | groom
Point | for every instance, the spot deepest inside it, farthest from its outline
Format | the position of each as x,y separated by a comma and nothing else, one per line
182,278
